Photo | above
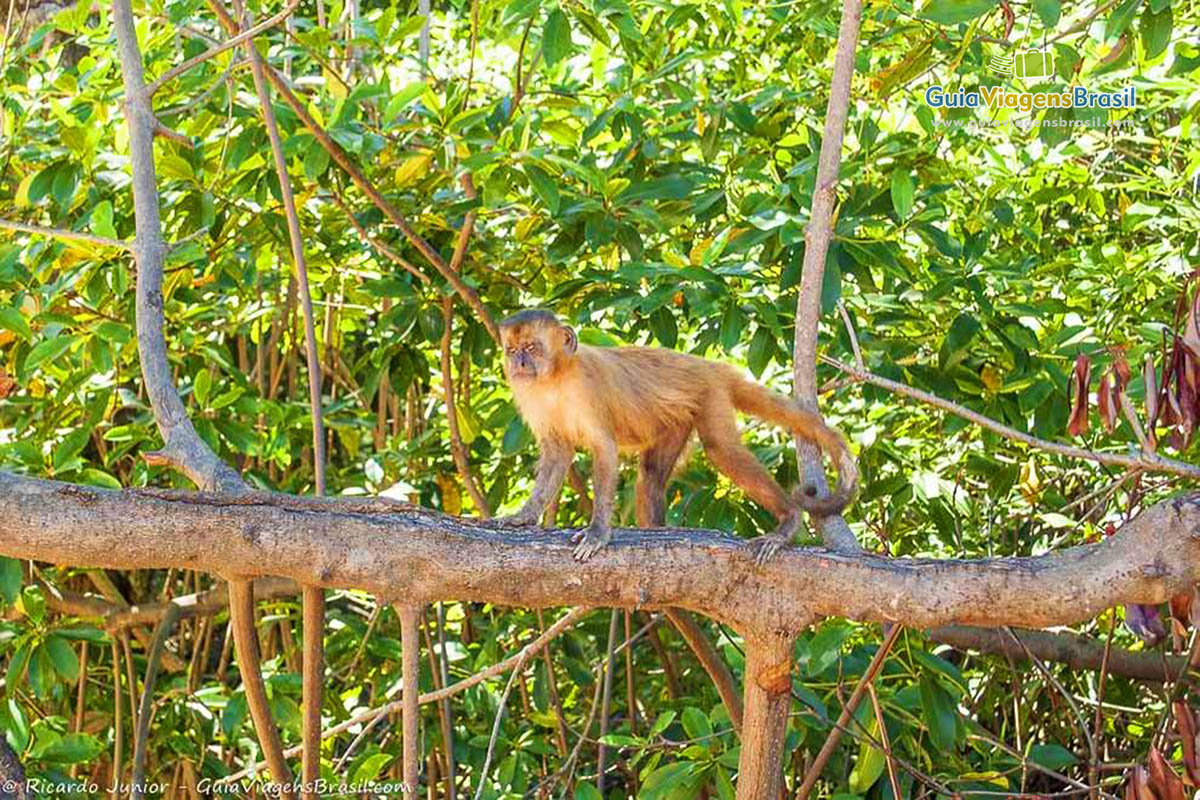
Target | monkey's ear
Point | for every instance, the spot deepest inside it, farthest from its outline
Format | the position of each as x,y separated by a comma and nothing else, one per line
570,340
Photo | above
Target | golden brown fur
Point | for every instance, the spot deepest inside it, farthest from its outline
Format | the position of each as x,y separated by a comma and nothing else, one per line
648,401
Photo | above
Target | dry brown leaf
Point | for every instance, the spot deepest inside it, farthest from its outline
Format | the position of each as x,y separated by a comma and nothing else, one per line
1080,383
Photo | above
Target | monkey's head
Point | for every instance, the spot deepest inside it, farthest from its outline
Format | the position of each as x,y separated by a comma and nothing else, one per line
535,344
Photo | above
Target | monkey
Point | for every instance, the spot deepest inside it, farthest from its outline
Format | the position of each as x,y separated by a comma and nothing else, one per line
649,400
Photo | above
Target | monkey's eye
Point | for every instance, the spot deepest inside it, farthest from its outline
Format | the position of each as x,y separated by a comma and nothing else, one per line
510,350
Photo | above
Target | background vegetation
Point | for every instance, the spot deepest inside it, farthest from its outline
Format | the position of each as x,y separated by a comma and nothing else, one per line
646,169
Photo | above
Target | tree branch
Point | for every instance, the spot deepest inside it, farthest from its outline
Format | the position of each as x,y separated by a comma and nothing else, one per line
215,51
415,555
369,716
142,733
313,597
343,160
1146,461
62,233
183,449
1075,650
817,235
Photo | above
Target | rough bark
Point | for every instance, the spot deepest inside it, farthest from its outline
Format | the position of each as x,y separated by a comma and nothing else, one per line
183,448
768,693
817,236
415,556
1075,650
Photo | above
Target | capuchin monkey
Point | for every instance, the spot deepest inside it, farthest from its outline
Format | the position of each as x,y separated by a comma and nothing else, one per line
648,400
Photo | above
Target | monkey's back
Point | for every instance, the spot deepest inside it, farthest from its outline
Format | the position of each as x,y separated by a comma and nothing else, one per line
642,391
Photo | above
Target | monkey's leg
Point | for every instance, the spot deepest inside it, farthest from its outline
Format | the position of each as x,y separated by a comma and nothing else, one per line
654,470
553,463
594,537
723,443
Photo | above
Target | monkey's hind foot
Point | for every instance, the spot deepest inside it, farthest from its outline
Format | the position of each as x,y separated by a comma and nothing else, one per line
589,541
767,545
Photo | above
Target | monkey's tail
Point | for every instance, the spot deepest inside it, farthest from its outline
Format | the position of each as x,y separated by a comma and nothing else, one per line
760,402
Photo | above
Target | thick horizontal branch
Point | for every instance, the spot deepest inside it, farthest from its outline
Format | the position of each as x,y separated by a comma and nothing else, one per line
1073,649
411,555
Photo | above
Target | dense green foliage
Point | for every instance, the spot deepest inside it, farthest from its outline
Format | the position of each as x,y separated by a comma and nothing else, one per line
651,183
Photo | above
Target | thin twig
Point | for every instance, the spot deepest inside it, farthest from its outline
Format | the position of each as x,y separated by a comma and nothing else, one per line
215,51
142,735
883,737
336,196
62,233
499,668
858,359
1148,462
831,741
313,597
1053,681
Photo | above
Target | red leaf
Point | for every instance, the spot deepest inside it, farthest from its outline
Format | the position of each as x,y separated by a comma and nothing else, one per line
1163,780
1106,403
1080,384
1150,376
1138,785
1185,721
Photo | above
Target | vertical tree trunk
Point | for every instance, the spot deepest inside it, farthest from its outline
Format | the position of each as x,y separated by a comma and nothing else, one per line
767,696
834,531
410,619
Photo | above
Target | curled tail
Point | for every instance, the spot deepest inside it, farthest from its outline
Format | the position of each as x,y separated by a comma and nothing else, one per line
757,401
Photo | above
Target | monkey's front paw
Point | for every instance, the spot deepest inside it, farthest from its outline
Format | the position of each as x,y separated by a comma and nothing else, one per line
589,541
767,545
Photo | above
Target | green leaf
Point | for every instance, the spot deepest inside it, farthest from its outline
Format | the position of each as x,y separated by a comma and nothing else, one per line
1120,18
954,346
12,319
939,714
587,791
696,724
762,348
14,677
62,655
1155,31
201,386
234,716
556,37
41,671
49,350
661,782
671,187
544,186
33,604
316,161
902,192
73,748
869,765
731,327
102,220
11,578
370,768
953,12
662,323
662,723
68,448
1052,756
1048,11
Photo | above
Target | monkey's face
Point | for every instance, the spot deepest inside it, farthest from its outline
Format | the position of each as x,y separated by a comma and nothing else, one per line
535,351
